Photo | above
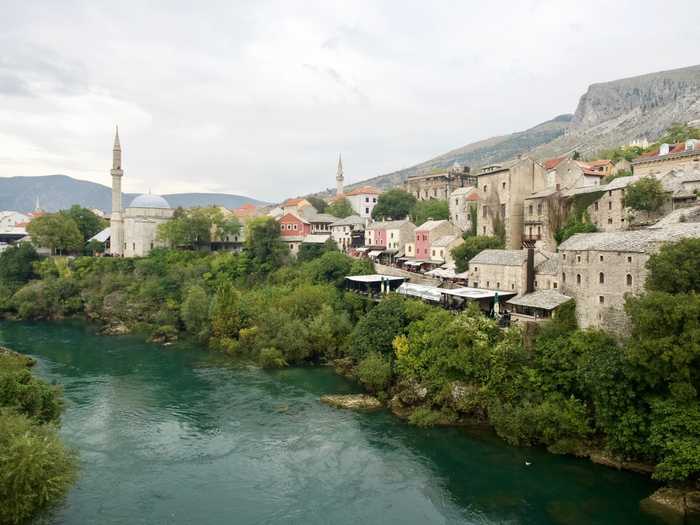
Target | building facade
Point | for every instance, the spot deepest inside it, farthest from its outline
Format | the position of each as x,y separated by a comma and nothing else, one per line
464,205
349,233
684,156
441,184
427,233
363,200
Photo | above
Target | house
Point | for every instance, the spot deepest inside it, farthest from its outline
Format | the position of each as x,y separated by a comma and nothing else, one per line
503,189
441,248
684,156
540,304
463,204
363,200
428,233
320,222
294,205
439,184
599,269
10,219
349,233
504,270
293,229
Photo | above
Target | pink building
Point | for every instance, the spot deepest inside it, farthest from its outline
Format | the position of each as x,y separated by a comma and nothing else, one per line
429,232
375,236
291,225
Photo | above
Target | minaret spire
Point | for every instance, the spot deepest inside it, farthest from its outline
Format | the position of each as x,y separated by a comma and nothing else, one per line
339,177
116,152
117,219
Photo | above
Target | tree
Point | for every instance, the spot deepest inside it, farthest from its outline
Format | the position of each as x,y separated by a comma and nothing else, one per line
340,208
647,194
471,247
573,226
318,203
309,252
431,209
57,232
264,246
88,223
376,330
394,204
197,227
195,310
225,313
374,371
674,269
679,132
16,264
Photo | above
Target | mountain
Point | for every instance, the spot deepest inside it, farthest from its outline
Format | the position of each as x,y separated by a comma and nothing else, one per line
57,192
609,114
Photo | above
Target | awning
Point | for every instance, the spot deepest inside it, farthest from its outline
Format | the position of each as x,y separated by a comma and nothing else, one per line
375,253
373,278
362,249
442,273
413,263
475,293
422,291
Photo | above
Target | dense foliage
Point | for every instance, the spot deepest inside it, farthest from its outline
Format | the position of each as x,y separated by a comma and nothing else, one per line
318,203
647,194
36,470
87,222
196,227
56,231
430,209
340,208
394,204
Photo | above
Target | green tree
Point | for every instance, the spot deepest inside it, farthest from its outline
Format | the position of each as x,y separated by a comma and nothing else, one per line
394,204
674,269
57,232
16,264
374,371
340,208
647,194
471,247
225,314
430,209
573,226
376,331
318,203
197,227
88,223
264,246
679,132
195,310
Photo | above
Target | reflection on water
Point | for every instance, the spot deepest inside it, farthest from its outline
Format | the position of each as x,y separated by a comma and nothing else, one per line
178,435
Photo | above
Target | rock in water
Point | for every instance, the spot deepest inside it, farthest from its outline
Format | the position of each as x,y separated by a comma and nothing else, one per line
352,401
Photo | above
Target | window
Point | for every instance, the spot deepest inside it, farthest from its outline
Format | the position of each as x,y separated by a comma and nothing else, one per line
629,280
539,232
483,212
554,284
485,186
366,199
601,258
294,226
512,286
476,269
366,210
629,259
442,253
488,283
434,192
535,284
374,199
578,278
563,277
291,246
498,285
503,211
563,256
609,193
610,205
578,258
484,230
539,209
609,220
433,253
601,299
601,278
503,185
529,210
595,206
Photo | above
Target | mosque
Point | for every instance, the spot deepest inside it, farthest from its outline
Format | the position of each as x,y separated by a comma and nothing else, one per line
134,230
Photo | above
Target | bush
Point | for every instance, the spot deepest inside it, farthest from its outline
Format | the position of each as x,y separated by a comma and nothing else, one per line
30,396
374,371
271,358
427,417
36,470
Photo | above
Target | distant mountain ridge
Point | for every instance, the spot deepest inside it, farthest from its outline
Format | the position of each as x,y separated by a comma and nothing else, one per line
57,192
609,114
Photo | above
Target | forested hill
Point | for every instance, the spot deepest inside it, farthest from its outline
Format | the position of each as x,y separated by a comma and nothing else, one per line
57,192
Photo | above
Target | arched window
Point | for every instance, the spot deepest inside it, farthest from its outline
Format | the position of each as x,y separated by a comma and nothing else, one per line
578,278
629,280
601,278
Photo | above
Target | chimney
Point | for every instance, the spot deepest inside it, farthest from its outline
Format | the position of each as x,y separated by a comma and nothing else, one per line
530,270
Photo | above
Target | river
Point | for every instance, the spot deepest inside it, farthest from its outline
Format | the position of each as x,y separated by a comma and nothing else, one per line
179,435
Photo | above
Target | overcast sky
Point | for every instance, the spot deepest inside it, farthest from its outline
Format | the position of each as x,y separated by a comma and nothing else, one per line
259,97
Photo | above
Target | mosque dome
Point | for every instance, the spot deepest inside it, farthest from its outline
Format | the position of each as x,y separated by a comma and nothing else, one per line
148,200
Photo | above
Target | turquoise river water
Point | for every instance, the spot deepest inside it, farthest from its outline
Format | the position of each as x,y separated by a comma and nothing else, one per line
178,435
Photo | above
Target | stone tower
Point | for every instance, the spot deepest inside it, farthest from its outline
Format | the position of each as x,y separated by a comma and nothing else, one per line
339,178
116,221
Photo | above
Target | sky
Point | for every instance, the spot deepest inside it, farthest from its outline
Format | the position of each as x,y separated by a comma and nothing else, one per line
259,97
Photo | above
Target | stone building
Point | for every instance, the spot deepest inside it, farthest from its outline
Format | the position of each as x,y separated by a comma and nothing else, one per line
600,269
349,232
428,233
441,249
504,270
461,202
134,230
684,156
441,184
503,189
363,200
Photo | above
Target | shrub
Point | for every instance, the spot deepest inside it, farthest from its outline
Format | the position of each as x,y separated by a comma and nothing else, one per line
36,470
271,358
427,417
374,371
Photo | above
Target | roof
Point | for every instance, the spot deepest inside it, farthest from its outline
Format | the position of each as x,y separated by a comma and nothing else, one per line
474,293
679,216
638,241
549,265
422,291
295,215
542,299
148,200
364,190
373,278
293,202
389,225
542,193
445,240
101,236
500,257
350,220
431,225
600,162
316,238
444,273
309,213
466,190
674,149
550,164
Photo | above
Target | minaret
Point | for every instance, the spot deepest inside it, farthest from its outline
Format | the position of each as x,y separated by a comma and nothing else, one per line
116,222
339,178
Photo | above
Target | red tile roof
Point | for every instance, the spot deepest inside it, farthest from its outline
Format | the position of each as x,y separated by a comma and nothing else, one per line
552,163
364,190
292,202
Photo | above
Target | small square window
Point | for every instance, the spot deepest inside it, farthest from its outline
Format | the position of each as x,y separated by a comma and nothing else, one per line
629,259
601,258
601,299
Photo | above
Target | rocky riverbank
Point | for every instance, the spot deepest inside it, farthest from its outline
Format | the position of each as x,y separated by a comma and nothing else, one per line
360,402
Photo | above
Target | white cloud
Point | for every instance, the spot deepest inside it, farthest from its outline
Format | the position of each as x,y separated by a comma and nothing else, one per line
258,97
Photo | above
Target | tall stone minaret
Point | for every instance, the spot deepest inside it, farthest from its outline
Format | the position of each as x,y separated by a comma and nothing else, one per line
116,222
339,178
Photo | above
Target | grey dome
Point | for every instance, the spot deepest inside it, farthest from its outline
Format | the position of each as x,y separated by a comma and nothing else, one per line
149,201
